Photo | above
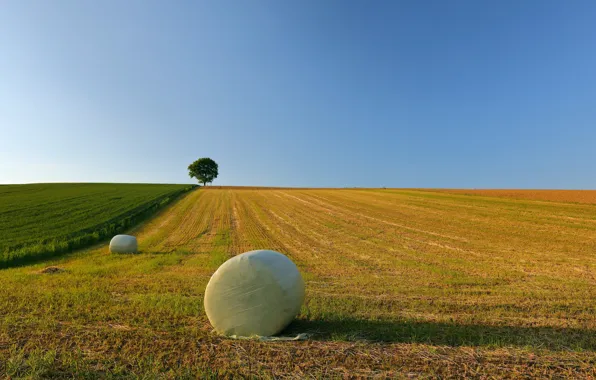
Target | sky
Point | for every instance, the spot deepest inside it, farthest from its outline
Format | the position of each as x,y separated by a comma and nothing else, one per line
456,94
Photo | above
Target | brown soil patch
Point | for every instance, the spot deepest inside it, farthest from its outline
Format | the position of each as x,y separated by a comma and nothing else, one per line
52,270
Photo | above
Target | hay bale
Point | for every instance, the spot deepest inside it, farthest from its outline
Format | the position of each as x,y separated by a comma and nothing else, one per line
255,293
123,244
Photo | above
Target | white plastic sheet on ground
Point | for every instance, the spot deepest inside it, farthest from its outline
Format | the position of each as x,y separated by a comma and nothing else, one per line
257,293
302,336
123,244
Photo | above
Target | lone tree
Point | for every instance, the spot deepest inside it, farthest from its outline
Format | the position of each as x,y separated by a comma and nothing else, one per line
204,170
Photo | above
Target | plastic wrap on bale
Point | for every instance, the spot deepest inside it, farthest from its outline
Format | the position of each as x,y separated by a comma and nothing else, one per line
123,244
256,293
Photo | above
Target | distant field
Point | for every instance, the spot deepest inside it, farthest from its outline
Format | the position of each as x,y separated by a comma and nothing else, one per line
575,196
400,283
44,219
571,196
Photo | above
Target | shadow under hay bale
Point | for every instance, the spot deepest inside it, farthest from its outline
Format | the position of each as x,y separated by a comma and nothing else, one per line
443,333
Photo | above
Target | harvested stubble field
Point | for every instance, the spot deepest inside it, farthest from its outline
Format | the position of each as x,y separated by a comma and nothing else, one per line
400,283
573,196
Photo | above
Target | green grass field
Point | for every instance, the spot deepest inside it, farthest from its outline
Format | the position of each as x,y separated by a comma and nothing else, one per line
45,219
399,284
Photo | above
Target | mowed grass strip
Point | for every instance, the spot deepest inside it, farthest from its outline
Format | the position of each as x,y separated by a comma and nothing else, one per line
399,284
41,220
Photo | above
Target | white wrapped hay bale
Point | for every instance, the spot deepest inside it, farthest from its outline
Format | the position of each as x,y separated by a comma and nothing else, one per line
123,244
255,293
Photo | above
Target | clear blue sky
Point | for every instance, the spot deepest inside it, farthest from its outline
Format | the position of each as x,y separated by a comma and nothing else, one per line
300,93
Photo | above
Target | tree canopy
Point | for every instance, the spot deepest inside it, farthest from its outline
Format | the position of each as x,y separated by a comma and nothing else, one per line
204,170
